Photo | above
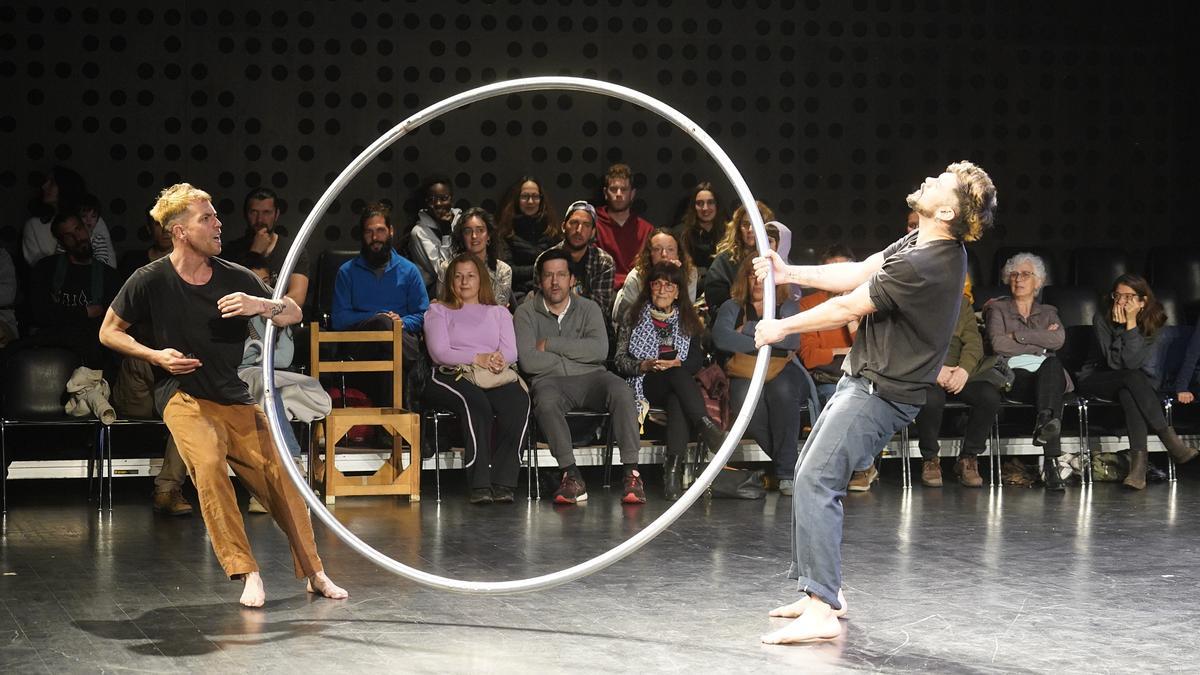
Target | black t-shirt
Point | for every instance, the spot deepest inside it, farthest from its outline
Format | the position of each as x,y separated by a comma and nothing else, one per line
579,270
61,292
917,292
237,249
185,317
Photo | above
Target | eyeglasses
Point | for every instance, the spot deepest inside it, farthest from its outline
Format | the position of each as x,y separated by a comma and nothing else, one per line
530,197
663,285
1125,296
1022,275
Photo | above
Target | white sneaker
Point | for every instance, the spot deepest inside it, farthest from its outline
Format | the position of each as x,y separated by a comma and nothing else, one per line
785,487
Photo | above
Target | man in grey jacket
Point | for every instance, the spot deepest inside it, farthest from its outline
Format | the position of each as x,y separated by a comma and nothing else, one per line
561,344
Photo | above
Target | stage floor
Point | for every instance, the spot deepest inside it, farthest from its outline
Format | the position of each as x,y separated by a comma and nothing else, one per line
942,580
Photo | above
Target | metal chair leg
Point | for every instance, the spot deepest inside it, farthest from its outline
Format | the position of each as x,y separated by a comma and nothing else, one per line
1168,411
994,452
905,469
1085,440
4,468
109,463
437,460
608,450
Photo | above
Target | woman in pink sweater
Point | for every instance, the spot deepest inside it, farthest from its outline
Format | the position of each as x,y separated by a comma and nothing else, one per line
470,338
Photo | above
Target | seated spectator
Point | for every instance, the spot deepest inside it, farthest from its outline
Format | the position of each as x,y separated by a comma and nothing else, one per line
429,240
62,192
1186,376
660,348
737,246
823,352
591,267
102,245
160,245
527,225
661,246
475,233
378,288
965,375
702,226
1125,332
619,230
562,343
775,425
8,298
1026,334
263,236
467,332
69,293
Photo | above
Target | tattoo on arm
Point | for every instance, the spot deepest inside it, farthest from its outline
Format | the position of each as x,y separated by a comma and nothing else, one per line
276,308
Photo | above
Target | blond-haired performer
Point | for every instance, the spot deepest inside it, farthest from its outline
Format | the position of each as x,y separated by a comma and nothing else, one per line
907,297
197,306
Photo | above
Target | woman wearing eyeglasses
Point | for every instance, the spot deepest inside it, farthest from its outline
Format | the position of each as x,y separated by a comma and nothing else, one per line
661,246
1125,333
659,350
1027,334
525,224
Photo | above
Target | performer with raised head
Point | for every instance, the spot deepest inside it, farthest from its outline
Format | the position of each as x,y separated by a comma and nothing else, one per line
196,307
907,299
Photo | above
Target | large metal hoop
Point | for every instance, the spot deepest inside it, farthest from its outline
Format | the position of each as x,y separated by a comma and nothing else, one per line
701,484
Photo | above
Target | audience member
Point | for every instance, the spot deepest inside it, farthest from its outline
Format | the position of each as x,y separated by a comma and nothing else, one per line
562,343
661,246
702,226
8,298
619,230
1186,375
261,209
660,348
823,352
474,350
591,267
69,292
62,191
527,225
965,375
775,425
737,246
1026,334
1125,332
429,240
475,233
160,245
102,245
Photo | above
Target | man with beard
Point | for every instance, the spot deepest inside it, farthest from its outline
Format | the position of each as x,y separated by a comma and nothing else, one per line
619,231
261,209
591,267
907,298
429,244
378,288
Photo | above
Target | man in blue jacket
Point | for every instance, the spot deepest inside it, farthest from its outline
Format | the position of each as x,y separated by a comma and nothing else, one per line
379,287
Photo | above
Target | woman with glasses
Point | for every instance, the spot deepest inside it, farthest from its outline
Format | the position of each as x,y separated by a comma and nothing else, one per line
661,246
659,350
525,224
702,225
1026,334
1125,332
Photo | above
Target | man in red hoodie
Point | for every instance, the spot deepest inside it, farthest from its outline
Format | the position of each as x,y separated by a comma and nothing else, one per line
619,230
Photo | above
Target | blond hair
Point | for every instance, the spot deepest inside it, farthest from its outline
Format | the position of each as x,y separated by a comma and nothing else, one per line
732,243
174,201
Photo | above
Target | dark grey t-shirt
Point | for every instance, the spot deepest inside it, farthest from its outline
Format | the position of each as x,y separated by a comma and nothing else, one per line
184,316
900,348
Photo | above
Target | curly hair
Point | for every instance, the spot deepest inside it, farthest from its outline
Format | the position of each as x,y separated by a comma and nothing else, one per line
508,210
1039,267
642,264
450,299
732,243
976,200
495,246
689,320
174,201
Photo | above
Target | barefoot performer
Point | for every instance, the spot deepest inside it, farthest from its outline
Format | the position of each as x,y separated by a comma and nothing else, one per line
194,307
907,298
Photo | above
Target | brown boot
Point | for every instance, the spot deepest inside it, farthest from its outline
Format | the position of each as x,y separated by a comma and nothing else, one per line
1137,469
861,481
171,503
1179,451
931,472
967,469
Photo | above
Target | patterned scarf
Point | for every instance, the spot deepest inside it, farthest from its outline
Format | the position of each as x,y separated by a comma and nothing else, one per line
644,341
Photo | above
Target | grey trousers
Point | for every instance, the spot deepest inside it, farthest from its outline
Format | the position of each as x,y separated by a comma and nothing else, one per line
853,427
553,397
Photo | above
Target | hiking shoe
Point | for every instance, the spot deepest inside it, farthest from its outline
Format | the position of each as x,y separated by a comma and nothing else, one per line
502,494
786,487
633,492
481,496
967,469
171,503
931,472
861,480
570,491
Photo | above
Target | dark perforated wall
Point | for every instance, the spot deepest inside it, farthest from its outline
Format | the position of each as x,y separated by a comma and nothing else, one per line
833,110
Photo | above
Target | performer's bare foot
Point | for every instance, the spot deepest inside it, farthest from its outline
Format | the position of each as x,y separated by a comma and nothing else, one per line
321,584
817,623
797,608
253,595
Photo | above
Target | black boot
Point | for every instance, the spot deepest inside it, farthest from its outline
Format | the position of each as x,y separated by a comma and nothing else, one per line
672,477
1138,460
711,434
1050,476
1046,428
1179,451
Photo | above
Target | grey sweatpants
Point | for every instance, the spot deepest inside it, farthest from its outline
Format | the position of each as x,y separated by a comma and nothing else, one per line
600,390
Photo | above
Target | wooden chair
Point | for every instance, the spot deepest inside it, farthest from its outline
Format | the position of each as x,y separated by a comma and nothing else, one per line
393,477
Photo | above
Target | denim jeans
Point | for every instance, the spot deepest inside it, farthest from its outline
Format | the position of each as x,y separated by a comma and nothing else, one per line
853,427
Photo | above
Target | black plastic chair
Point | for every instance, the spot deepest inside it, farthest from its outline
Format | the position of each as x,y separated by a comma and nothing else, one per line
328,264
1177,268
1096,267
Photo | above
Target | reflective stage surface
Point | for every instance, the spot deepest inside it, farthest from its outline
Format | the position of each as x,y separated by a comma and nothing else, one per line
945,580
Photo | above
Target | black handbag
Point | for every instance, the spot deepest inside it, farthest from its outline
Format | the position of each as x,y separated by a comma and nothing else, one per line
733,483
